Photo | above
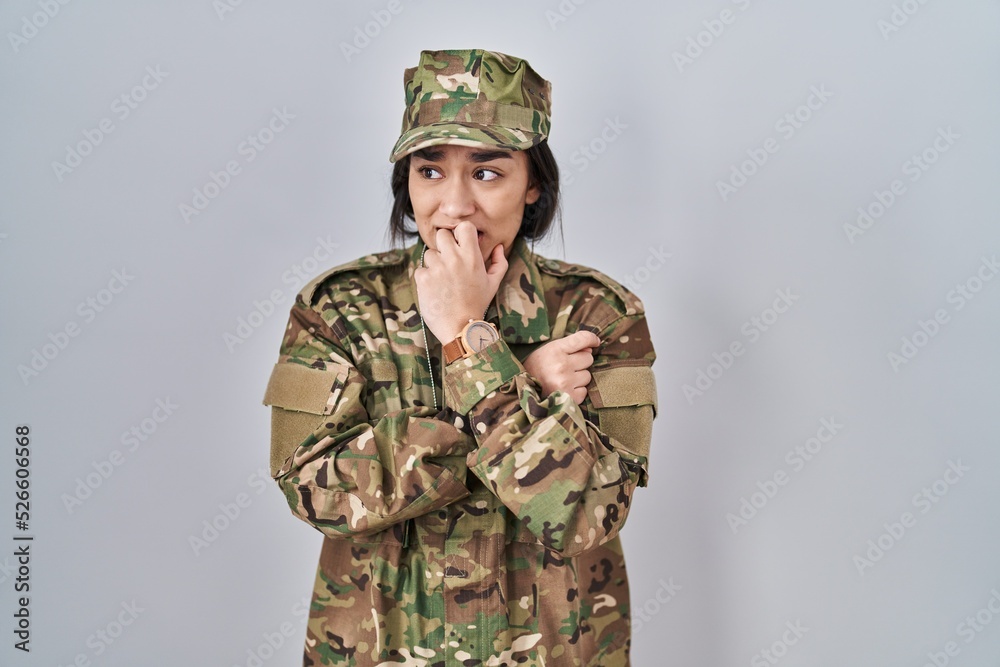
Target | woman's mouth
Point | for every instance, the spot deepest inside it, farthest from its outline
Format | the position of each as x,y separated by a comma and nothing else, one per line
479,232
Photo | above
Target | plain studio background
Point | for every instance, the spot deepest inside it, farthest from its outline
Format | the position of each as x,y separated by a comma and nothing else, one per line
827,494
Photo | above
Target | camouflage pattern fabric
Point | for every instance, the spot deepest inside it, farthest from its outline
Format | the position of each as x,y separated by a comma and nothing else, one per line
484,532
473,97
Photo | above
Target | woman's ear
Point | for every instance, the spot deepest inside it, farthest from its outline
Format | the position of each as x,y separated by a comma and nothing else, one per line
534,192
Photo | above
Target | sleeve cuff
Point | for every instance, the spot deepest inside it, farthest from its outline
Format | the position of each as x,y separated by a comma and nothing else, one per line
469,380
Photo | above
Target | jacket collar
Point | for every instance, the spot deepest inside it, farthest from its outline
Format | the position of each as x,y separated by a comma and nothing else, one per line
520,299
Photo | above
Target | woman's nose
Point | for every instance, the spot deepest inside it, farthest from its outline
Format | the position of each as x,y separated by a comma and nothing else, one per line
457,201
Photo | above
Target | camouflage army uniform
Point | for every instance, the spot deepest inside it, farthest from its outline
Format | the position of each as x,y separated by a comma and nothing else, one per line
484,532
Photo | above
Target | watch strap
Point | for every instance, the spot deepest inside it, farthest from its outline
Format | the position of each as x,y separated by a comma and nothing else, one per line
454,350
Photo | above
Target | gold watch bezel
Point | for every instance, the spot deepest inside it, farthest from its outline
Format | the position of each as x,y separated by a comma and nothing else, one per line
463,337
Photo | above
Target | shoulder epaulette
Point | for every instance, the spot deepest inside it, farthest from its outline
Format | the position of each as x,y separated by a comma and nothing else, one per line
630,303
386,258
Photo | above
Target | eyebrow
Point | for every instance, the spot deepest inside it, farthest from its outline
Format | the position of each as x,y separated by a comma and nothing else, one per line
434,154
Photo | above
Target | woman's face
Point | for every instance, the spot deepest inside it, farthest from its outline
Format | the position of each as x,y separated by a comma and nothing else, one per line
487,187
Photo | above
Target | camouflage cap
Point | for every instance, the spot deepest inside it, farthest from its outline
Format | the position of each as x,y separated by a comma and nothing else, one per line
473,97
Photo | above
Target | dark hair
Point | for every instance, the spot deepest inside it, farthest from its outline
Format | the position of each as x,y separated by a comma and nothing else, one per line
536,221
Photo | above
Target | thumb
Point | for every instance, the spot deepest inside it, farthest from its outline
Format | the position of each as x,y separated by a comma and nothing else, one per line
498,266
581,339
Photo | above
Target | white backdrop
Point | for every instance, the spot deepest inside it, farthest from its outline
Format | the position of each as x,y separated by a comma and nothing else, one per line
804,195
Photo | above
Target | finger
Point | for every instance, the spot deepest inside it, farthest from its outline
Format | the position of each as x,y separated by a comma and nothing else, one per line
466,234
498,265
432,260
581,359
581,378
444,240
579,340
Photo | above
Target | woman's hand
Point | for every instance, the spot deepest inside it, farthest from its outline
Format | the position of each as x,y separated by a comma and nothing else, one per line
563,363
454,284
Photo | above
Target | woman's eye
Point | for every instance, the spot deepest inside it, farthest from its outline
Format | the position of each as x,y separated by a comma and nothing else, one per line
479,174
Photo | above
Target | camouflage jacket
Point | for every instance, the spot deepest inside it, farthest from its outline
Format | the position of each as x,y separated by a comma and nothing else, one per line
482,532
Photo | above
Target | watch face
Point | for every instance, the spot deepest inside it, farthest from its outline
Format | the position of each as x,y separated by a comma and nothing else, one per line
479,335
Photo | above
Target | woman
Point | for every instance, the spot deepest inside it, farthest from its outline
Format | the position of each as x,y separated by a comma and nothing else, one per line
464,420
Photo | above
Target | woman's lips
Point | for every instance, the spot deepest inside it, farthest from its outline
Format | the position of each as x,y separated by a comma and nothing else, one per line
479,232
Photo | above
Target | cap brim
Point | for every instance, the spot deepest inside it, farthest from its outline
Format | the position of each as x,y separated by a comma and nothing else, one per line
463,134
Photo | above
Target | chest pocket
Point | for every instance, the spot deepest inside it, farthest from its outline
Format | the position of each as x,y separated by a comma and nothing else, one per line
385,385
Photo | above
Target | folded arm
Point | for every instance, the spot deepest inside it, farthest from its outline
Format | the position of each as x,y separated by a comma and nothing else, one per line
568,479
341,471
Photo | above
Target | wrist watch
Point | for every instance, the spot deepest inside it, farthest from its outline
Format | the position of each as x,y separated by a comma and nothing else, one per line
475,335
